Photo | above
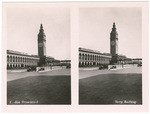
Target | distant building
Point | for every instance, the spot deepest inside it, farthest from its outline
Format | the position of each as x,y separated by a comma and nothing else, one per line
66,63
137,60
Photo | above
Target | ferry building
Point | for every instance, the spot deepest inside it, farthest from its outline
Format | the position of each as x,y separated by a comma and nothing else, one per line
91,58
18,60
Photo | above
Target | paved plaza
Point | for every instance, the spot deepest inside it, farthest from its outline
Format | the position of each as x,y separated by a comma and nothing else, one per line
51,87
17,75
89,73
117,87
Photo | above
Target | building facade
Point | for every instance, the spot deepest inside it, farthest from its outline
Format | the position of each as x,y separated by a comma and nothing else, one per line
89,58
18,60
66,63
137,61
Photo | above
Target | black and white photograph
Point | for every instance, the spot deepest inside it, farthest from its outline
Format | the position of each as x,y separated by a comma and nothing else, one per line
110,55
38,55
74,57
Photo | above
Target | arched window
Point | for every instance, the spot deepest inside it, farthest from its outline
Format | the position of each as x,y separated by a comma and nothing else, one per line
85,56
13,59
7,58
82,56
95,57
10,58
79,56
16,59
91,57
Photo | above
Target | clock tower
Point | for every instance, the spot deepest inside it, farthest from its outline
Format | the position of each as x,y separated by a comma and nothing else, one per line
114,45
42,46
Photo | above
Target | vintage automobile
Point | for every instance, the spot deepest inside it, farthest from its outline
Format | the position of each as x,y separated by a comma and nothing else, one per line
31,68
113,67
41,69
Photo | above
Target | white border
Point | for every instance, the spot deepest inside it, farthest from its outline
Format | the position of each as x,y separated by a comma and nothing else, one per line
74,74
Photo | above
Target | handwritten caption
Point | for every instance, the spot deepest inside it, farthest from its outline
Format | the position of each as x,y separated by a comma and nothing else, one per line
125,102
23,102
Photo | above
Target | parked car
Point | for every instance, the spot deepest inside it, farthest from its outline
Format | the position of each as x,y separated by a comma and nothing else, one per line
113,67
41,69
101,67
32,68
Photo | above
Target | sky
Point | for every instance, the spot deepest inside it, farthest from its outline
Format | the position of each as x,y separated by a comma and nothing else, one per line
23,26
95,25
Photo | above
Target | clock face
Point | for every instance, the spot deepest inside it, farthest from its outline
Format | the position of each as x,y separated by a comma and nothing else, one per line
40,44
113,43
